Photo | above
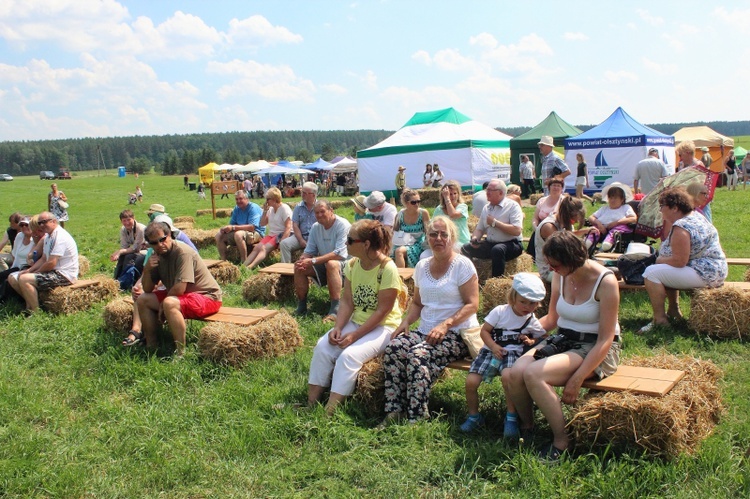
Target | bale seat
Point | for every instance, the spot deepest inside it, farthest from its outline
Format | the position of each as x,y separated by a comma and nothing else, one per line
79,296
224,272
524,263
268,287
240,316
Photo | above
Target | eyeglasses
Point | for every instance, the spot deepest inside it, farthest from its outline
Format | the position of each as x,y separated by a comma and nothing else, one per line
415,201
351,241
45,221
22,224
159,241
441,235
555,266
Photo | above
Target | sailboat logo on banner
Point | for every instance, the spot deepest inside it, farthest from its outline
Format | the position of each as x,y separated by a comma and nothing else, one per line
600,161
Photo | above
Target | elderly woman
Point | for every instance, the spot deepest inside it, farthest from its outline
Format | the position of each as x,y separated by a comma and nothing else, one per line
690,257
446,297
452,207
368,314
409,227
277,219
569,212
57,204
583,307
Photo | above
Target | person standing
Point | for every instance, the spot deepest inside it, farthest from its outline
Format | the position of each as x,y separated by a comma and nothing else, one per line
185,181
648,172
57,204
731,168
400,183
552,165
582,179
706,159
427,176
528,176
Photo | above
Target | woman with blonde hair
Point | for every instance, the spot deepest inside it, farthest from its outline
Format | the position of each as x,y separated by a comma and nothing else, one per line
452,207
277,218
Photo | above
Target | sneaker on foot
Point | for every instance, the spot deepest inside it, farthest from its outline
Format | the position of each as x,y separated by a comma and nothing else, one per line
472,423
511,430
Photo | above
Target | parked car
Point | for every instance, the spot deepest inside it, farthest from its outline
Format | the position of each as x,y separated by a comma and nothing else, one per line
4,177
46,175
64,175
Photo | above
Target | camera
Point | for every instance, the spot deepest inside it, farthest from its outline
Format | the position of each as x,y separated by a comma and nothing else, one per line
556,344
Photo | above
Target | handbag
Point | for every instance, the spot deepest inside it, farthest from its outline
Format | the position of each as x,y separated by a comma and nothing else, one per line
473,339
401,238
632,266
63,204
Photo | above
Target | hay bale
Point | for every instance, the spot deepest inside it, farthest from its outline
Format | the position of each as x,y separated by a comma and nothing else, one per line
225,272
661,426
747,275
65,300
184,219
118,315
472,223
83,266
220,212
495,292
338,203
201,238
597,197
534,198
720,312
430,197
235,345
484,269
523,263
200,213
370,390
268,288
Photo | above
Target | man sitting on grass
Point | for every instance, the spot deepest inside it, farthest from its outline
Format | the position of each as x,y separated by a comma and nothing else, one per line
191,292
56,267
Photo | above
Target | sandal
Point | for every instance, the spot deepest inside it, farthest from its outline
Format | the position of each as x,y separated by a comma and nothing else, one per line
329,318
552,454
137,338
645,329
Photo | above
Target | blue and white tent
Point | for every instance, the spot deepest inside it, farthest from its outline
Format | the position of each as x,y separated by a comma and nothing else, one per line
613,148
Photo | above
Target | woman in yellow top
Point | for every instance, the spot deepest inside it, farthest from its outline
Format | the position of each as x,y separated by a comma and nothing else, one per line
368,314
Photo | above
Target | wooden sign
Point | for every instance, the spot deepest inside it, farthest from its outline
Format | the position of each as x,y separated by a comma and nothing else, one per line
223,188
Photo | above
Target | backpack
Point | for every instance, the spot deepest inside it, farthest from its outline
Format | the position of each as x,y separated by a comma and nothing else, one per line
632,266
128,278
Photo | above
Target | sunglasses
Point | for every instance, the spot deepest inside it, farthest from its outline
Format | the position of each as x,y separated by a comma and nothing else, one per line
159,241
415,201
351,241
22,224
45,221
442,235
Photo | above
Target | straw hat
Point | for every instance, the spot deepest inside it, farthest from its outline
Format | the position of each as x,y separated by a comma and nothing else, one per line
546,140
156,208
625,188
359,204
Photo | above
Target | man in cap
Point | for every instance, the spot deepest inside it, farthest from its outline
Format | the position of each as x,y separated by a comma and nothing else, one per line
552,165
56,267
244,228
323,258
303,218
648,172
502,221
379,210
191,292
400,183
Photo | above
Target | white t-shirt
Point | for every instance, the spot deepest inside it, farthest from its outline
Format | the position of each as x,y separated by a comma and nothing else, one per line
61,244
386,216
20,252
277,219
441,298
504,317
607,215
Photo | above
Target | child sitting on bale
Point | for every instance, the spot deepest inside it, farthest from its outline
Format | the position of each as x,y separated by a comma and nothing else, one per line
509,330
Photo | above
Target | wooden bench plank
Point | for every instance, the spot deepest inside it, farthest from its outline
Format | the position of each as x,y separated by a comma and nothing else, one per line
606,257
84,283
741,285
288,269
645,380
241,316
211,263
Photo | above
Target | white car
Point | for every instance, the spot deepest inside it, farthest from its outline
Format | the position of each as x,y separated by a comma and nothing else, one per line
4,177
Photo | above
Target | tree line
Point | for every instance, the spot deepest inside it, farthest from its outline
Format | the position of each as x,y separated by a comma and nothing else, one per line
180,154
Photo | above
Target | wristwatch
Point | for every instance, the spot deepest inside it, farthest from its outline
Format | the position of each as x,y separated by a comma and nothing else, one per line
493,223
314,261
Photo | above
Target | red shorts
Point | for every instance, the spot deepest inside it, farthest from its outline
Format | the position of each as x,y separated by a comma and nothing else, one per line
192,305
270,240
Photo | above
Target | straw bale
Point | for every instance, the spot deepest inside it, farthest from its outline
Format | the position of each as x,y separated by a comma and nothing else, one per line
118,315
472,223
83,266
268,288
184,219
467,198
597,197
495,292
201,238
338,203
225,272
235,345
523,263
203,212
220,212
430,197
534,198
720,312
747,275
661,426
65,300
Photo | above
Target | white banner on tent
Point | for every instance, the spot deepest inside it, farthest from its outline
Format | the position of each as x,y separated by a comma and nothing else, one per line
614,164
489,164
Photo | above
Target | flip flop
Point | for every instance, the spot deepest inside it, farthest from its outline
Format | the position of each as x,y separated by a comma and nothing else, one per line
645,329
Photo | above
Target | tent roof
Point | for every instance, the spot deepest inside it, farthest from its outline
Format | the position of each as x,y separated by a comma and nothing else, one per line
702,136
436,130
320,164
619,124
552,125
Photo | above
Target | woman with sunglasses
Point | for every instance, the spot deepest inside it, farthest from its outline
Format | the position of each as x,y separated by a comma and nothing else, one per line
368,314
22,246
409,228
277,218
446,298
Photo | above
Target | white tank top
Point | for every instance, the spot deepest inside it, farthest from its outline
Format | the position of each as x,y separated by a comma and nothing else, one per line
584,317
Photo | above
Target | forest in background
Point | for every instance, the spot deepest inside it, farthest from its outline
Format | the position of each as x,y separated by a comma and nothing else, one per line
179,154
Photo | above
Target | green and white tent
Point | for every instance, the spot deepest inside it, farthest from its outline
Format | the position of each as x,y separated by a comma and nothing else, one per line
466,150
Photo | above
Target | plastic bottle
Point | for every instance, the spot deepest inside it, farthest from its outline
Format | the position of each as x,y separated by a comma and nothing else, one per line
35,257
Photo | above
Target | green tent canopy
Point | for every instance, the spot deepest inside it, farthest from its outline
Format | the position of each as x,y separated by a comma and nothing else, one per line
740,153
526,143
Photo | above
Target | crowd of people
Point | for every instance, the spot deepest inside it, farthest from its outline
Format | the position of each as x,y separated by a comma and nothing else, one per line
358,264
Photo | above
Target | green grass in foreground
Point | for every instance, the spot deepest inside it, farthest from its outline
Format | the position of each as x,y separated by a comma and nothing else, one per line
81,416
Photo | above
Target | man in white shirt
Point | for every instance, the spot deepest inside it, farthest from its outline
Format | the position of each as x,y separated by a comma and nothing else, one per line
379,210
648,172
56,267
502,222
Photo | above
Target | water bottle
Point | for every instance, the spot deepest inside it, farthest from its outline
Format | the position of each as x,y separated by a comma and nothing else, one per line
492,371
35,257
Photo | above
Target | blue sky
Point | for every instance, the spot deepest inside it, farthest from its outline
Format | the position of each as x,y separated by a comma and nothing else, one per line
85,68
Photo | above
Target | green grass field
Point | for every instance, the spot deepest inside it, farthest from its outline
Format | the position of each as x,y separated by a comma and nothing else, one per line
81,416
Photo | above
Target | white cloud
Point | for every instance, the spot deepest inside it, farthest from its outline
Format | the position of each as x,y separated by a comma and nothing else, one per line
648,18
422,57
334,88
182,36
370,80
257,31
277,83
662,69
519,56
484,40
736,20
674,42
577,36
407,98
619,76
452,60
